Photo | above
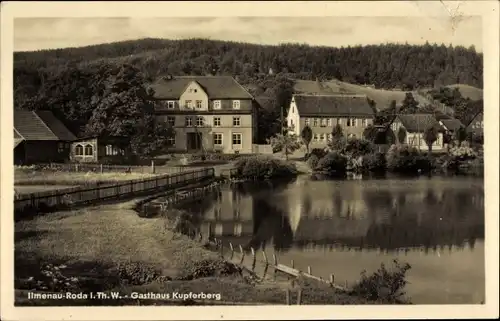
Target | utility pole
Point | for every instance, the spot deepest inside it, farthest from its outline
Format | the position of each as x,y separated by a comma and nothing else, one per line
281,120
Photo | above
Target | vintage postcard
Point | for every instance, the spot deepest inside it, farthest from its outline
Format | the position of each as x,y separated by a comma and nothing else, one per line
294,160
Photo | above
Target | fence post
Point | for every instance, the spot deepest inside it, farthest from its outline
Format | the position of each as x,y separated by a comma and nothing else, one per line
102,169
309,270
232,250
253,258
275,261
332,279
242,254
293,265
221,249
153,166
299,296
287,296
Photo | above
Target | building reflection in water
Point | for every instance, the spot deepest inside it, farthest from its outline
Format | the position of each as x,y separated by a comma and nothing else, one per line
349,214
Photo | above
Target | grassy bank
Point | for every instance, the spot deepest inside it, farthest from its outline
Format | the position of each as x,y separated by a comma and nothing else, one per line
110,248
48,177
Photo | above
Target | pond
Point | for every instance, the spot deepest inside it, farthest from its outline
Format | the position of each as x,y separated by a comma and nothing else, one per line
346,226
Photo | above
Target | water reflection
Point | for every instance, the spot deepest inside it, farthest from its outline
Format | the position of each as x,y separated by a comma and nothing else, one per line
384,214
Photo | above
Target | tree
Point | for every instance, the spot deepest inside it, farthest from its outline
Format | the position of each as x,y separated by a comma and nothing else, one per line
306,135
409,104
370,133
126,110
430,136
286,143
401,135
337,142
461,135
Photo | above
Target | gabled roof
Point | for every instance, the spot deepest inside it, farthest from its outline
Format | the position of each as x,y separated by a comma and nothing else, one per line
418,123
39,125
452,124
216,87
333,105
477,117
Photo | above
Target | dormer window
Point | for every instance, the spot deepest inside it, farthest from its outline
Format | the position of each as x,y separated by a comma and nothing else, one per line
217,104
236,104
170,104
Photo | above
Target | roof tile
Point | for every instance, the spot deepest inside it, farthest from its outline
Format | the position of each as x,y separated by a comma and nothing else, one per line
332,105
217,87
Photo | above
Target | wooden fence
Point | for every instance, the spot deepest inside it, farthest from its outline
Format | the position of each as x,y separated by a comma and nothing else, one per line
101,168
94,194
250,261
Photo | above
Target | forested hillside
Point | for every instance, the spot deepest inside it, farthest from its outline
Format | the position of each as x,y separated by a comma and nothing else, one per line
71,81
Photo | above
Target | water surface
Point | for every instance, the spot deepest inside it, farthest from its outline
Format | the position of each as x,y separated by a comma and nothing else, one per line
343,227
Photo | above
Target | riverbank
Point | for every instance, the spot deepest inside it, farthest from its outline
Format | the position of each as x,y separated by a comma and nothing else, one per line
111,248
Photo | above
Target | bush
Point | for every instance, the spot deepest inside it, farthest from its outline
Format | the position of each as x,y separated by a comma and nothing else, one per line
383,285
135,273
355,147
333,164
312,161
318,152
407,160
210,268
374,162
264,167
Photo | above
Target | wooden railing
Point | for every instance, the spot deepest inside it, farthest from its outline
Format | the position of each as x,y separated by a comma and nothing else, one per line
96,193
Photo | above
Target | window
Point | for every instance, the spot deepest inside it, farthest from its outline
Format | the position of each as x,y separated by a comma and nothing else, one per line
217,139
321,137
189,121
237,229
78,150
323,122
351,122
171,141
339,121
189,104
315,122
111,150
170,104
236,104
306,121
364,122
89,150
291,123
482,124
67,145
198,104
217,122
329,137
236,121
236,139
217,104
193,90
171,121
200,121
315,137
236,213
217,213
60,147
329,122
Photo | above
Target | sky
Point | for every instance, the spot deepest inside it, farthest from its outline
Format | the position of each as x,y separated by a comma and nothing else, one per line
48,33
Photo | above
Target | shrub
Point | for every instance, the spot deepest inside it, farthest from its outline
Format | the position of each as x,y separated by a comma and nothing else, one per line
318,152
209,268
333,164
408,160
312,161
135,273
374,162
384,285
355,147
264,167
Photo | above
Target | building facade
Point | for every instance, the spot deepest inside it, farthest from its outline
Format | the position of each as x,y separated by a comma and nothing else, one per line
415,126
476,126
208,113
322,112
106,150
39,137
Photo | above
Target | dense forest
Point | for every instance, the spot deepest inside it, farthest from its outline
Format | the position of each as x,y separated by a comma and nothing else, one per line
72,81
